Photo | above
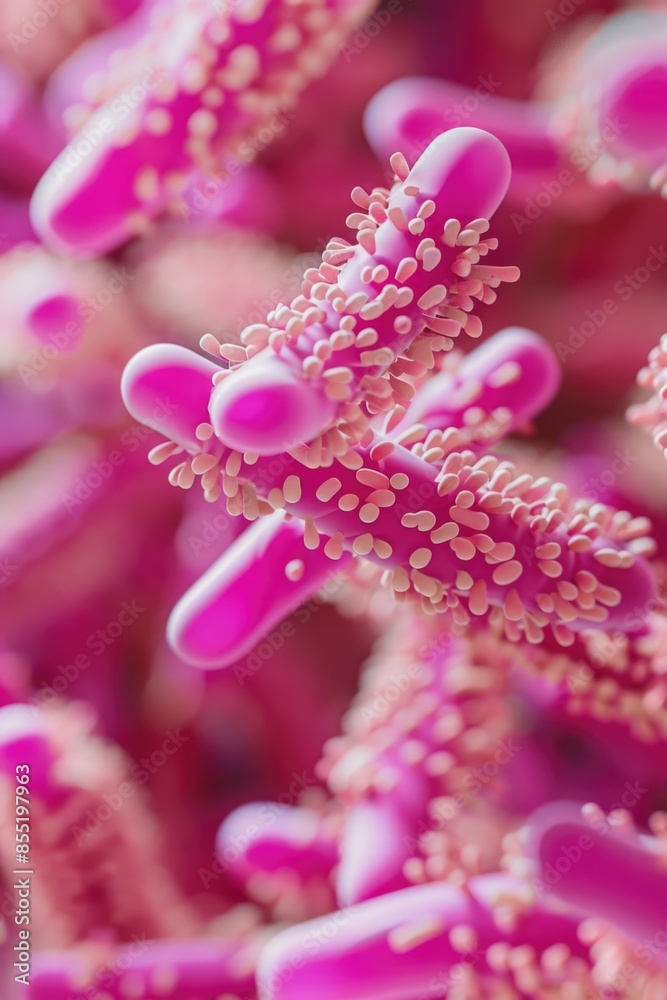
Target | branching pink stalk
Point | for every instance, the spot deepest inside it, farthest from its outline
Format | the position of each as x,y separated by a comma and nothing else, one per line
432,708
463,534
495,389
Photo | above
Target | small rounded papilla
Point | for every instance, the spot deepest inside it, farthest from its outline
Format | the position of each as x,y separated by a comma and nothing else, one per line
652,413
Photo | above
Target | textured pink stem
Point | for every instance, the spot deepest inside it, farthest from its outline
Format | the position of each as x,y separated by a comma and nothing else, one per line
205,85
405,945
275,400
459,521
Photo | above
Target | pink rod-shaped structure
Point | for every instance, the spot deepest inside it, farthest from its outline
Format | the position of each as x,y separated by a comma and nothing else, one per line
241,591
609,120
618,102
210,90
496,388
276,836
407,114
23,743
450,528
429,941
283,854
42,297
374,310
399,765
603,867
